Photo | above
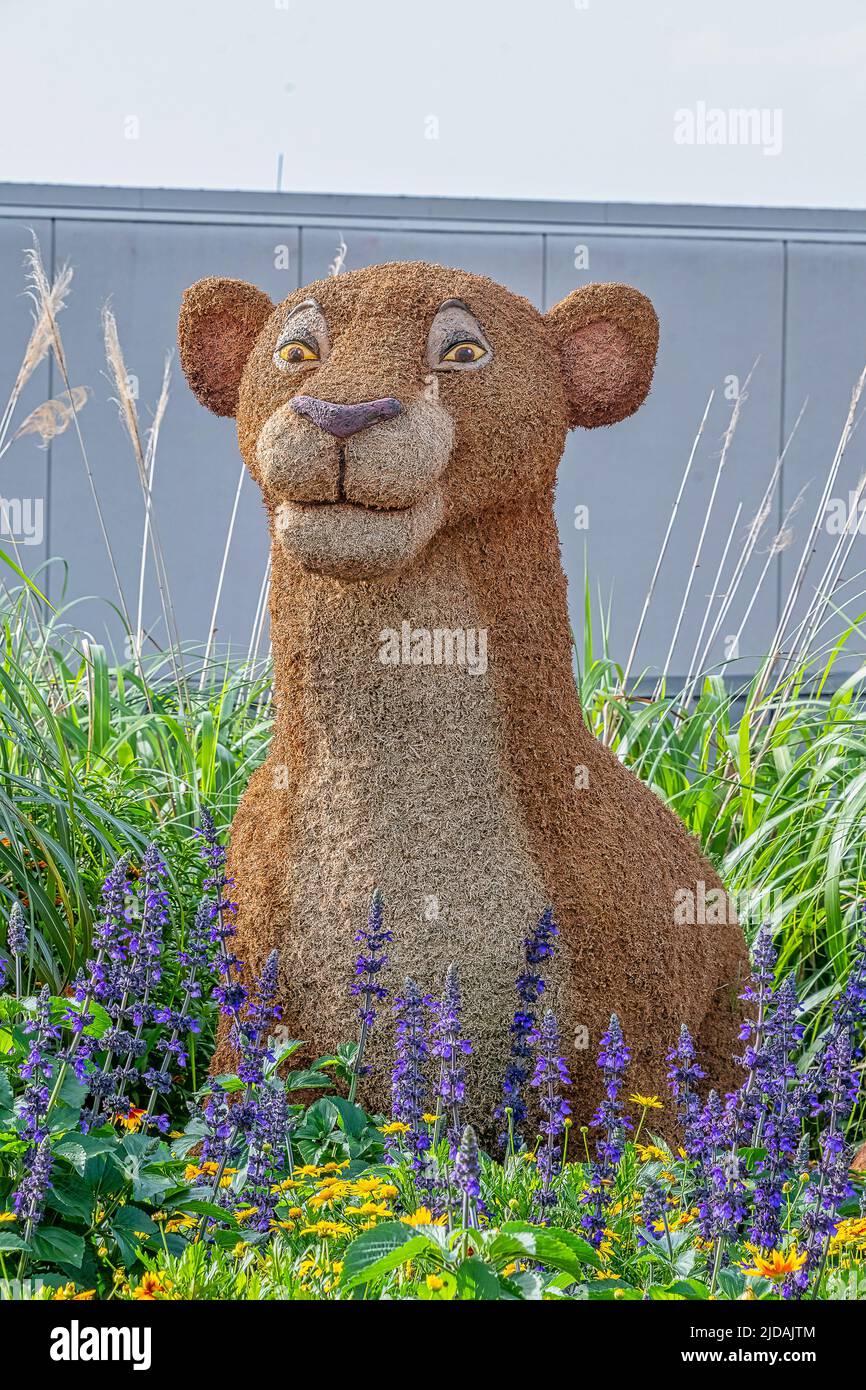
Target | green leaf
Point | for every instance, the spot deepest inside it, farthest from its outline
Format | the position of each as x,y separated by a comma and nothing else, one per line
9,1241
79,1149
554,1247
227,1240
72,1196
194,1207
477,1280
383,1248
56,1243
72,1092
133,1219
6,1098
689,1288
732,1282
308,1080
611,1288
353,1121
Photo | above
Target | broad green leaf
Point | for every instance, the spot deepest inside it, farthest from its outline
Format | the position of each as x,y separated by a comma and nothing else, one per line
10,1241
379,1250
56,1243
477,1280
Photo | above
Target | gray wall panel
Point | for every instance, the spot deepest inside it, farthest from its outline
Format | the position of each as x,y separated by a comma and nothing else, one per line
727,284
24,467
515,260
825,354
143,270
720,308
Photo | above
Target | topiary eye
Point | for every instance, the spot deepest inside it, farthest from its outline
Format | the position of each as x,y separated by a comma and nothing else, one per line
468,350
298,350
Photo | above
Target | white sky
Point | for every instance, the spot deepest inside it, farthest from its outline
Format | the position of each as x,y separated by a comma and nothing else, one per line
570,99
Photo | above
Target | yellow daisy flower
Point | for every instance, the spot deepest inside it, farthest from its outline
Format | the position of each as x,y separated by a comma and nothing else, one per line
647,1102
423,1217
370,1209
327,1229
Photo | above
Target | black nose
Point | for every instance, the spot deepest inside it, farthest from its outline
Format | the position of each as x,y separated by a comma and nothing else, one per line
343,420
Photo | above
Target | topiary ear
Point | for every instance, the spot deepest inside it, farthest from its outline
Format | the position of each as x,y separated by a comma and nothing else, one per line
607,336
220,321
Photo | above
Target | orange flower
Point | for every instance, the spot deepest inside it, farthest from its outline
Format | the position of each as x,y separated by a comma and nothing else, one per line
131,1120
151,1288
777,1265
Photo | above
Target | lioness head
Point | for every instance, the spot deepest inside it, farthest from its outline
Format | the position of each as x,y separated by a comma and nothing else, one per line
376,407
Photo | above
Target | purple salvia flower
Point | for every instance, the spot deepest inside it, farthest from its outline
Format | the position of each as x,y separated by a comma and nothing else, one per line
37,1070
367,986
16,932
780,1117
538,948
29,1199
220,1134
613,1059
250,1039
230,992
134,968
830,1187
654,1210
549,1077
17,941
745,1104
467,1177
109,934
850,1011
254,1028
683,1076
196,957
451,1048
216,881
408,1079
267,1152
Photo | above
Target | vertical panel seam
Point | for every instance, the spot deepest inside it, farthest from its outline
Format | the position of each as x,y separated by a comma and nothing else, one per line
49,462
783,407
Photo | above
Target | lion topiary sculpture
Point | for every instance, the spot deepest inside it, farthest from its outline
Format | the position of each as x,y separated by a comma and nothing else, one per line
404,424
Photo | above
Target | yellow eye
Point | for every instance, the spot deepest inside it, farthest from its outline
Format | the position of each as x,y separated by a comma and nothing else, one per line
298,351
466,351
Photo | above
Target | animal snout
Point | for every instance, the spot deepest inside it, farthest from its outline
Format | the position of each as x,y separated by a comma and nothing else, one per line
345,420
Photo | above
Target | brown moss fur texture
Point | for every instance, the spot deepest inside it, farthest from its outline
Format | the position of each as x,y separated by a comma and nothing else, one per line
453,792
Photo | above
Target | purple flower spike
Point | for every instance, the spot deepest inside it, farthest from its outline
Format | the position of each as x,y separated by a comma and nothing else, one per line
539,947
367,986
253,1029
550,1076
408,1079
18,942
451,1048
37,1070
16,932
467,1177
613,1059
